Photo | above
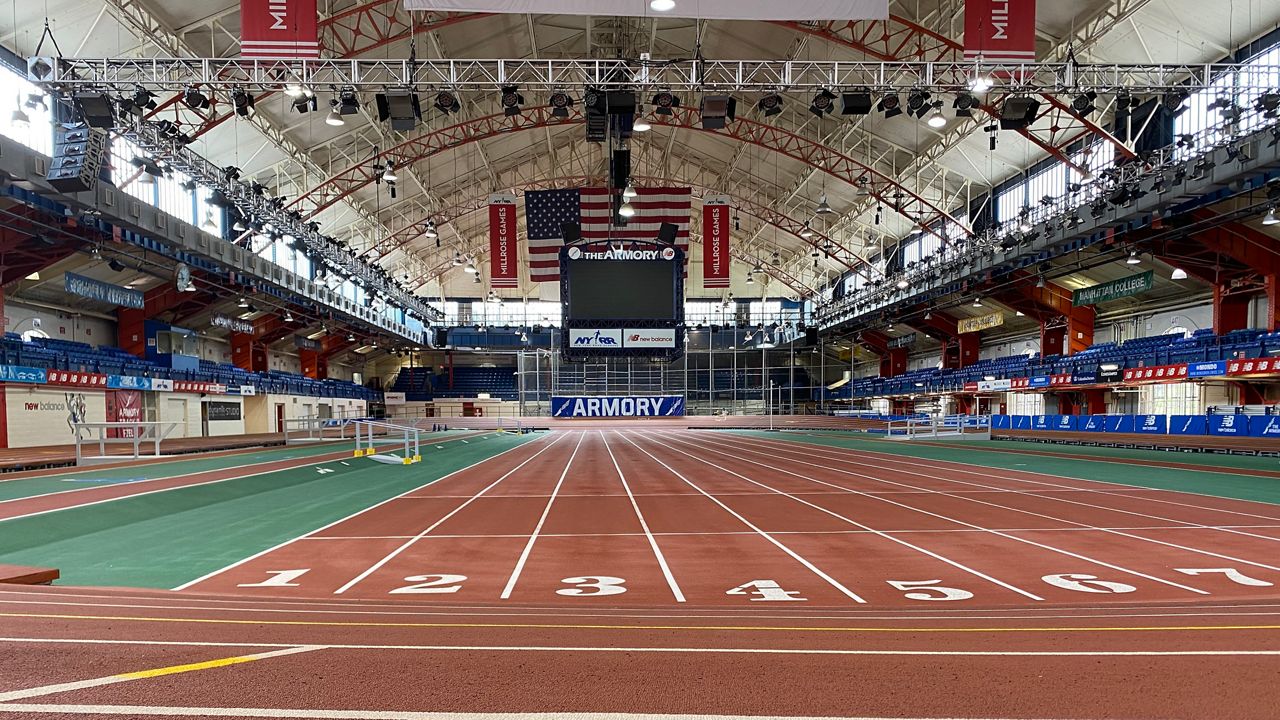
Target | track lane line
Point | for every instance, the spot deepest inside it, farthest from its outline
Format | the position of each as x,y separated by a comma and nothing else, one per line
412,541
653,542
999,533
777,543
34,692
290,541
832,513
1081,525
533,537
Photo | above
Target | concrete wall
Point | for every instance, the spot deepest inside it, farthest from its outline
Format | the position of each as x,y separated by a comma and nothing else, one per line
63,324
39,415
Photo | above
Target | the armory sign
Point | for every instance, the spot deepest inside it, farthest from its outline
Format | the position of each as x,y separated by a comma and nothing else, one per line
577,253
622,406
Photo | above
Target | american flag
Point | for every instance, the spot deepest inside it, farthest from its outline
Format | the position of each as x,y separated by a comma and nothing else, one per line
546,212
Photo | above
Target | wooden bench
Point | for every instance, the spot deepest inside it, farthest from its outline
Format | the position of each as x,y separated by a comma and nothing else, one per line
1185,443
19,575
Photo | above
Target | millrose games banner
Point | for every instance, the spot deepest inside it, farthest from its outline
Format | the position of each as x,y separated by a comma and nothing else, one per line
1000,30
87,287
715,241
622,406
1124,287
503,272
279,29
982,322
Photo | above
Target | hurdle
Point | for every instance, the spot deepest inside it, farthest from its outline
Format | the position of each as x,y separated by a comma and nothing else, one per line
390,433
304,431
138,435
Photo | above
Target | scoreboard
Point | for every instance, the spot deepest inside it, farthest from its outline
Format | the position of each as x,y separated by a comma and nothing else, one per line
622,301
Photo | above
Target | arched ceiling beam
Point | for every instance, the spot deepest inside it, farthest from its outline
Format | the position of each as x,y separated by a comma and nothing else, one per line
829,160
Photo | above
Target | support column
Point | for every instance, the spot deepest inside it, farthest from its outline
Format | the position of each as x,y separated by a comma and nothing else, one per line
1052,340
247,354
1230,310
894,362
1079,335
968,345
1273,302
131,334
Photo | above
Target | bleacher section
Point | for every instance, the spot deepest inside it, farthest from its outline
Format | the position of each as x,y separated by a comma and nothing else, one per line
1160,350
54,354
421,384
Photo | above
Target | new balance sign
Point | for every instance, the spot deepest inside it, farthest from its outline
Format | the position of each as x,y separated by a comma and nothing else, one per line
595,338
638,338
626,406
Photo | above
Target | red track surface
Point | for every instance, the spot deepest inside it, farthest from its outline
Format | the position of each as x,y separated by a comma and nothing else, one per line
589,571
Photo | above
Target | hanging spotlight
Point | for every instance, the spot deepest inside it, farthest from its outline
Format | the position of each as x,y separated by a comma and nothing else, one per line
457,259
430,230
511,100
629,191
243,303
447,103
663,103
980,83
304,103
805,232
936,120
471,268
288,316
1270,218
918,103
1268,104
1083,105
770,105
823,103
243,103
823,208
294,90
195,99
977,302
334,118
627,210
389,174
964,105
209,222
750,279
890,105
20,119
351,337
560,103
641,123
1178,274
1133,258
1040,281
662,5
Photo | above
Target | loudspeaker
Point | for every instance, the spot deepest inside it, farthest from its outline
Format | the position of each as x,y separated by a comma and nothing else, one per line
96,109
571,233
1018,113
401,107
77,157
811,336
855,103
667,233
621,102
620,169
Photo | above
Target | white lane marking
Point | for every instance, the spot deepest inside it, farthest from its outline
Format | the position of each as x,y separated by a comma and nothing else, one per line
168,489
409,543
28,693
533,537
777,543
700,650
290,541
900,541
653,542
1087,526
1050,548
394,715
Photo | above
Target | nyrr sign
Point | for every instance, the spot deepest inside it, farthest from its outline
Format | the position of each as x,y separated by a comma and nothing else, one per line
623,406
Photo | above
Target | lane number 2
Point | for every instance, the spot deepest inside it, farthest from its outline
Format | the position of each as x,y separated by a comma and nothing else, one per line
431,584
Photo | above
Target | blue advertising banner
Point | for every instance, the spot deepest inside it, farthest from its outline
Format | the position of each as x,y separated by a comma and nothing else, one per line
1119,423
128,382
1093,423
618,406
1217,368
21,374
1065,422
1229,425
104,292
1268,426
1021,422
1188,425
1039,381
1042,422
1151,424
1084,377
1001,422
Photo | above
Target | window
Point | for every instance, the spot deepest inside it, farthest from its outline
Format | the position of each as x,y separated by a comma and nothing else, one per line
37,132
1199,119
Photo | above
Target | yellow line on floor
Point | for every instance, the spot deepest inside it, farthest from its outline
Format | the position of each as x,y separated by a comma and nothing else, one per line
708,628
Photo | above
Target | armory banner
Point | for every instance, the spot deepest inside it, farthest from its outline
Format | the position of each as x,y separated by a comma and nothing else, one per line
1000,30
503,271
279,29
715,241
621,406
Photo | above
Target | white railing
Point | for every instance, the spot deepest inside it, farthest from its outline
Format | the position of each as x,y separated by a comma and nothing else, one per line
978,426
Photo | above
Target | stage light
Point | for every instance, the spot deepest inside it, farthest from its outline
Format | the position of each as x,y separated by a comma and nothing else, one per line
823,103
20,119
627,210
770,105
903,285
977,302
1270,218
1175,103
641,124
856,103
662,5
629,191
823,207
446,102
1178,274
663,103
334,118
718,111
918,103
560,103
980,83
243,103
35,101
964,105
890,105
295,90
348,102
304,103
143,99
1017,113
117,266
195,99
936,120
1133,258
1268,104
805,232
511,101
1083,105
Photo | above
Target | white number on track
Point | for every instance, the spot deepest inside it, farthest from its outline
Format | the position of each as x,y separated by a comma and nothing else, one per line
431,584
943,593
765,590
1232,574
1087,583
279,578
593,586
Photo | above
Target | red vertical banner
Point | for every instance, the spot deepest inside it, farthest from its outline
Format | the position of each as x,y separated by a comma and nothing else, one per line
279,29
715,241
123,406
1000,30
503,269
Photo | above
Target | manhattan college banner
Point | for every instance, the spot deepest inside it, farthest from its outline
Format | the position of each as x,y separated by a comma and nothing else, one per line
715,241
503,270
1000,30
279,29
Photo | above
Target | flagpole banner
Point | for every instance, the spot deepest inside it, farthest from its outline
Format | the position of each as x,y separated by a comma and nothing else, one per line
1000,30
590,210
704,9
715,241
279,29
503,271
